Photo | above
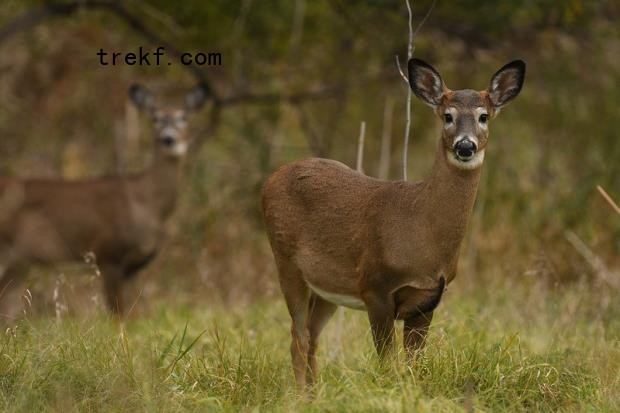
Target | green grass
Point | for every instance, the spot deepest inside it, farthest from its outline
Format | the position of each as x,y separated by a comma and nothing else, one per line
501,347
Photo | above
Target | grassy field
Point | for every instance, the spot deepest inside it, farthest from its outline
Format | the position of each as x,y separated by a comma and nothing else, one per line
500,346
530,325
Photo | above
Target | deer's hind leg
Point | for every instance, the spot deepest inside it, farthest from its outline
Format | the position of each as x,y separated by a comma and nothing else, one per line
297,296
11,279
113,280
319,314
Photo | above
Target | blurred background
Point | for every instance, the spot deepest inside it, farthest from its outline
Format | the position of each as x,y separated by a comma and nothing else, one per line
299,76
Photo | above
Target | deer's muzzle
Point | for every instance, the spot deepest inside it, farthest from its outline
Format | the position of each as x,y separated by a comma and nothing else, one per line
465,149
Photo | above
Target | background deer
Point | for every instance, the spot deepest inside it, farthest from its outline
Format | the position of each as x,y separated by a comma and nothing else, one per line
119,219
342,238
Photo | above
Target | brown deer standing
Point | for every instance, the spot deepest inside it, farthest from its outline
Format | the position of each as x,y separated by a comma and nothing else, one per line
119,219
342,238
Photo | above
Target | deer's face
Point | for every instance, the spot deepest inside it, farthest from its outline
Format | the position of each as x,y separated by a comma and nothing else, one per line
465,127
170,123
171,130
465,114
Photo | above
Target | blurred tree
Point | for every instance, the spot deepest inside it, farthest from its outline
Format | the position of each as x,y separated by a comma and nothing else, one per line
549,150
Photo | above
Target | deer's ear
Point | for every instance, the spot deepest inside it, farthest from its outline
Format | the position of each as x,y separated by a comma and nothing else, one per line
426,82
141,97
506,83
196,97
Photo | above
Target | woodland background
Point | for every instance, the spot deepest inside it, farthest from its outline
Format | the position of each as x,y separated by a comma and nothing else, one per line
297,78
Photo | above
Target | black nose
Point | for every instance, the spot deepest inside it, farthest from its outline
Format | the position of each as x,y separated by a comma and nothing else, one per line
465,149
167,140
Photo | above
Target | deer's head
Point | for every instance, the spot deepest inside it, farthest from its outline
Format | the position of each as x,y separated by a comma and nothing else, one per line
465,114
170,121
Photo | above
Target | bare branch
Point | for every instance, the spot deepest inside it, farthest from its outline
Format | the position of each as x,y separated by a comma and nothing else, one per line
428,13
608,198
408,106
137,25
410,44
400,70
294,98
360,148
386,138
160,16
36,16
410,50
39,14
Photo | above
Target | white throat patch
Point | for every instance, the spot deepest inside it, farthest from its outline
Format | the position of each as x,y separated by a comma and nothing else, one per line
472,164
179,149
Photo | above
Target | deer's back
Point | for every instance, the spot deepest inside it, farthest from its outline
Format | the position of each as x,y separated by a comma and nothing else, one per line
49,220
317,203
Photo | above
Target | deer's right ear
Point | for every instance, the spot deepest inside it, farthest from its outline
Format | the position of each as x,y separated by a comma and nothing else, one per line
141,97
426,82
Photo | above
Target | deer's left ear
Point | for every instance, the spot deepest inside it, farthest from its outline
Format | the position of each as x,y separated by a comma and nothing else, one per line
506,83
196,97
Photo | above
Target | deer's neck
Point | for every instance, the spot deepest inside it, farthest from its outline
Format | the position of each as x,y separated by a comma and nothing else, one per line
448,198
160,185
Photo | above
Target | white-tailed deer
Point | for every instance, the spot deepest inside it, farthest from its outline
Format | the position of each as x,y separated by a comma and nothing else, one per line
342,238
119,219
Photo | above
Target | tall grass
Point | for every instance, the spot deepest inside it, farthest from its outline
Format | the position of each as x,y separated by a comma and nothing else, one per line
501,346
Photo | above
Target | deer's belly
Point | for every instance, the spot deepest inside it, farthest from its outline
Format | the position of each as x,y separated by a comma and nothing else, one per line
332,278
37,239
344,300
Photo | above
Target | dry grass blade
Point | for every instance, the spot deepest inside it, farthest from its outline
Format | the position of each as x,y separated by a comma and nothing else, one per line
360,148
608,198
594,260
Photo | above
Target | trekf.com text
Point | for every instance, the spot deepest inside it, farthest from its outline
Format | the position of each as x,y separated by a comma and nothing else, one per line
143,58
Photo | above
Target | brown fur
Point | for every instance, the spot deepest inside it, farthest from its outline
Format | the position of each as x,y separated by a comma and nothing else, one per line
392,245
119,219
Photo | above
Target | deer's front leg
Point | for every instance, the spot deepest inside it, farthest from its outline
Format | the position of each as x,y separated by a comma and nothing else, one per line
415,307
381,316
415,330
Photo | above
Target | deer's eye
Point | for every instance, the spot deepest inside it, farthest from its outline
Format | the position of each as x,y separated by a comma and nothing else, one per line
447,117
483,118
